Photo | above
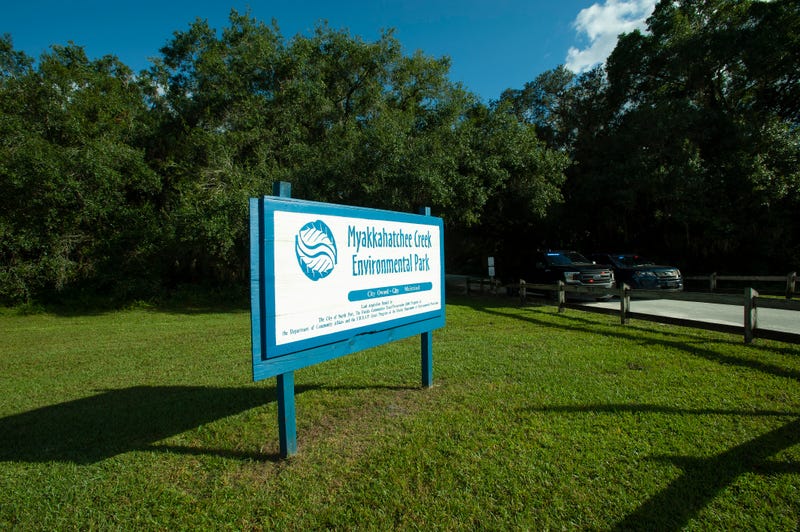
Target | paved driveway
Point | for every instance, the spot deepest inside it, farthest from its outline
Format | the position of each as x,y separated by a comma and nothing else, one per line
772,319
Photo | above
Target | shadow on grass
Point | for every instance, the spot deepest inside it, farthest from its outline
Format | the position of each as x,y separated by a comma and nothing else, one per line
703,478
658,409
688,343
484,303
118,421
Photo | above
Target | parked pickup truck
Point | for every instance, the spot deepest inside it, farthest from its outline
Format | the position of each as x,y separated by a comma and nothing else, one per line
574,269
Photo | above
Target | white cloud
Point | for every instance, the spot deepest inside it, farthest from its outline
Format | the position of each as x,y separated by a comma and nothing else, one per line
602,24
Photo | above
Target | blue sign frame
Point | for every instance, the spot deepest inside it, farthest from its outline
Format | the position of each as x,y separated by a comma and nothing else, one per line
273,355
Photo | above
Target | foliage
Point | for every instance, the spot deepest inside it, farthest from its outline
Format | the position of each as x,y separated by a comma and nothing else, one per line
342,120
76,203
708,153
686,145
155,170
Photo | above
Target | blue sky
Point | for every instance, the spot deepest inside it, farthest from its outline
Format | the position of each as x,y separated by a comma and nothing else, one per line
493,45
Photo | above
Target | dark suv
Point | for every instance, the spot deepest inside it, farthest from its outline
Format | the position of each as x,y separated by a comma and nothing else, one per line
571,267
639,272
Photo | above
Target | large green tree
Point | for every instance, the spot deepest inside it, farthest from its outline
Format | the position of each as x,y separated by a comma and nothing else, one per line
132,183
686,144
342,119
75,206
706,137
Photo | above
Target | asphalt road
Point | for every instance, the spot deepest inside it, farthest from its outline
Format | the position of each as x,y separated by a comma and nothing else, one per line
772,319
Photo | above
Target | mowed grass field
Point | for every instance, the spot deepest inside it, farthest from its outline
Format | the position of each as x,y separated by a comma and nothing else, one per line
147,418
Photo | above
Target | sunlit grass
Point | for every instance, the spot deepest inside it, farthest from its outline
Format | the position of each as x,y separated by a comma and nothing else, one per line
148,419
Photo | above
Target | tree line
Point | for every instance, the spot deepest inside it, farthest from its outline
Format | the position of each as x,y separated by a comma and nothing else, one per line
127,184
686,144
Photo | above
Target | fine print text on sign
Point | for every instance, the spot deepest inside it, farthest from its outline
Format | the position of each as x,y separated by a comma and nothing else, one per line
333,272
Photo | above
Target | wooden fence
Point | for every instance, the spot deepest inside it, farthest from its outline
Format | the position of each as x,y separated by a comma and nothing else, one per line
749,300
712,279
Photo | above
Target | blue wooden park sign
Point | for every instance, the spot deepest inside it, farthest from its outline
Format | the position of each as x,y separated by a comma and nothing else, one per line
329,280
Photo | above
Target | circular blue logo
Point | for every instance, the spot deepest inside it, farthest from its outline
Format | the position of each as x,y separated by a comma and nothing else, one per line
315,249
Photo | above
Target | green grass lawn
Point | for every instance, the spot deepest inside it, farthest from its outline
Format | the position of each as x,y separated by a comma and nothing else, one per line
148,419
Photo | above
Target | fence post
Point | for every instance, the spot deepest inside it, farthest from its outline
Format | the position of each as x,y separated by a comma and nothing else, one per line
712,282
624,304
522,292
562,297
750,314
791,280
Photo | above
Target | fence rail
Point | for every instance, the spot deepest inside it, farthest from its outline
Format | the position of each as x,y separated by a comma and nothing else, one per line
749,300
790,279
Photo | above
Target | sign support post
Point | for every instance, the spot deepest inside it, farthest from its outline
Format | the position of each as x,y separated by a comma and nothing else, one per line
287,427
427,359
287,424
426,339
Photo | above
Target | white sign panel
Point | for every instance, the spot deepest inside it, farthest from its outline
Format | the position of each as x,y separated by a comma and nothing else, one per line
334,272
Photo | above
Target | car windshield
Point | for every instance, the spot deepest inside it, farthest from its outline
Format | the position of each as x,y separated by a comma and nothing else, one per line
628,261
565,258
